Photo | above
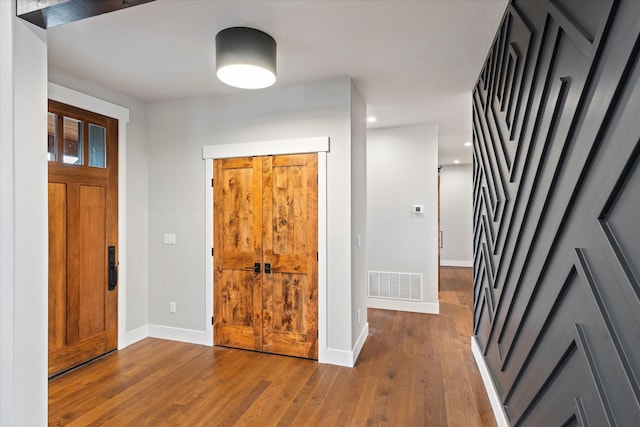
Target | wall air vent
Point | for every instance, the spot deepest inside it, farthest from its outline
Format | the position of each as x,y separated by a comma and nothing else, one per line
396,286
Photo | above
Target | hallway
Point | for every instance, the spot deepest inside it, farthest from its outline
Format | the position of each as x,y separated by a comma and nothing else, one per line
414,370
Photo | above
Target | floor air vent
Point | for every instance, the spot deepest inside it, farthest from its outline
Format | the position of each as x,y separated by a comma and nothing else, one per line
392,285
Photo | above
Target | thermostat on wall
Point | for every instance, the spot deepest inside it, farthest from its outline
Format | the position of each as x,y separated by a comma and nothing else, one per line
418,209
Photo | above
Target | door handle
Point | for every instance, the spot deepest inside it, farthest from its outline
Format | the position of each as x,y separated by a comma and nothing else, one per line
113,268
255,268
267,268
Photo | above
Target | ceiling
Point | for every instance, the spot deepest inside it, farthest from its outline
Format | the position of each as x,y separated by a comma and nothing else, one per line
412,61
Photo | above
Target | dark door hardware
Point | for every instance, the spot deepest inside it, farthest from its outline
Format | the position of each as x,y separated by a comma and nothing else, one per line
113,268
255,268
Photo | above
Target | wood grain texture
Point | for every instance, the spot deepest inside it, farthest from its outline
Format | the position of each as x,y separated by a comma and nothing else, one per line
290,229
265,212
83,222
238,246
92,260
57,265
414,370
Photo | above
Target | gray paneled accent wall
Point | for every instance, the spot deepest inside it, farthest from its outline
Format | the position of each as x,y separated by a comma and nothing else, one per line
556,127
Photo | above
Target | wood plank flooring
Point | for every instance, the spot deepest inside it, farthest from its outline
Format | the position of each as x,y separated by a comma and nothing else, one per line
414,370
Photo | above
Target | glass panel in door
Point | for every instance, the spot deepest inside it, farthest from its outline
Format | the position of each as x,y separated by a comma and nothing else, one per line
97,146
73,141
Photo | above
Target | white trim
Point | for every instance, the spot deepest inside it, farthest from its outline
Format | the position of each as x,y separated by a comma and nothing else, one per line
347,358
496,405
411,306
90,103
455,263
323,315
134,336
7,222
360,343
87,102
266,148
208,244
178,334
290,146
334,356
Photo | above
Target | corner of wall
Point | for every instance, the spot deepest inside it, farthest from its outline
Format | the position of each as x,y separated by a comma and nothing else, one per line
492,392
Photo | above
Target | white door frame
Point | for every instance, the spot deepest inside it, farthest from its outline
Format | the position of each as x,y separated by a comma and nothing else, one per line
318,145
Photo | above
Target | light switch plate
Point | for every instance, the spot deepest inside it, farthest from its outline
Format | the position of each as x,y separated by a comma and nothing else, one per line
169,239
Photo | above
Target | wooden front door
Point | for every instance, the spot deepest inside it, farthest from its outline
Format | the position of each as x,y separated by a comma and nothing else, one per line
83,234
265,254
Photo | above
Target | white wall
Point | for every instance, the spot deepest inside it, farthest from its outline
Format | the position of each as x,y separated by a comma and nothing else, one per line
23,221
177,131
456,215
402,170
136,188
360,327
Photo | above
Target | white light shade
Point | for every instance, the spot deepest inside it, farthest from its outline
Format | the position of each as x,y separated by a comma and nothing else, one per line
245,58
246,76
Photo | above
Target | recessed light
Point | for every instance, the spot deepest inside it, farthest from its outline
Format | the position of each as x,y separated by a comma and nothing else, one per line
371,119
456,162
467,144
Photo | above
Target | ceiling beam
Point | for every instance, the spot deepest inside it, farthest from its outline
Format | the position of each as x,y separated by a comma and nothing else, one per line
51,13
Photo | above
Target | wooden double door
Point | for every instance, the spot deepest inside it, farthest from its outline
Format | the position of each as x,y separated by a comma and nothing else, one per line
266,254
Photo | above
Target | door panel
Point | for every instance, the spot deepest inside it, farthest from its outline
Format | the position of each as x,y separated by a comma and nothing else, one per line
290,227
83,206
266,212
92,259
57,265
238,243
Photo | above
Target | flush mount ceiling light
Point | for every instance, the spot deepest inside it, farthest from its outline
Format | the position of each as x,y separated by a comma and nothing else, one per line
245,58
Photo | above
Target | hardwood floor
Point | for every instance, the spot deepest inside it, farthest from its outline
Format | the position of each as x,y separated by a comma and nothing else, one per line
414,370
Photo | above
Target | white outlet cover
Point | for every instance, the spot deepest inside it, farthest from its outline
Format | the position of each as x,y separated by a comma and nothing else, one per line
169,239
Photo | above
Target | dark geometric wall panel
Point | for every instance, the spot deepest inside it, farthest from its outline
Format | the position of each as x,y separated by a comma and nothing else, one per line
556,129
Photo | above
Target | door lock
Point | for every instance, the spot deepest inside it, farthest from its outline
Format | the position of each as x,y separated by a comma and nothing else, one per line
113,268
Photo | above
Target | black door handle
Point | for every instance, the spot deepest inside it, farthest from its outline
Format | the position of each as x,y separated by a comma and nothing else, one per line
255,268
113,268
267,268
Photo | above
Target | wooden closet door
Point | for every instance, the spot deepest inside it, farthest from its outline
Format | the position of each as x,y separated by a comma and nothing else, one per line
290,251
237,248
266,214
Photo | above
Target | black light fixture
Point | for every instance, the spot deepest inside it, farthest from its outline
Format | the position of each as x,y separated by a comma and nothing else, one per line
245,58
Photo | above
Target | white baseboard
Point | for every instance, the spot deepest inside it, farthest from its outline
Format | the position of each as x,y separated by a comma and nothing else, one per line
178,334
496,405
359,343
333,356
455,263
411,306
134,336
338,357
